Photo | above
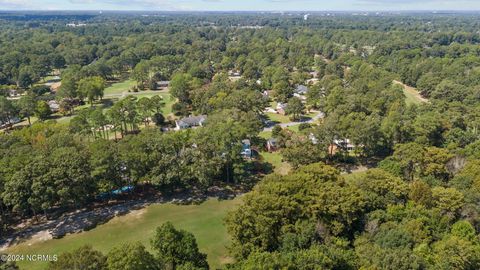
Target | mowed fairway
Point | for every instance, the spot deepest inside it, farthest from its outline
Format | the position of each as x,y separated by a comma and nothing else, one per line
412,96
205,221
119,87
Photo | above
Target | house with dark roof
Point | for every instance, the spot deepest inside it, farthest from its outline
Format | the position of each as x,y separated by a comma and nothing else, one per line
190,122
4,123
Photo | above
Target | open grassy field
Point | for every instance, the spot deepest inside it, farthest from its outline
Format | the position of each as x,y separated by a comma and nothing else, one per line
294,128
275,159
119,88
205,221
412,96
278,118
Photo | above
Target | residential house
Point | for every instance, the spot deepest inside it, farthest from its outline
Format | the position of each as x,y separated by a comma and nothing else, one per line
13,93
54,106
270,110
234,73
9,122
301,97
272,145
341,144
281,107
163,84
190,122
301,90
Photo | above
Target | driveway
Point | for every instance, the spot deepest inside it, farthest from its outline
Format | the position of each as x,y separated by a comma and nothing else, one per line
319,115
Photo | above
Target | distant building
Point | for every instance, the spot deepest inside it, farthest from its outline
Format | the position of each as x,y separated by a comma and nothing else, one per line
163,84
312,138
9,122
341,144
76,25
246,149
281,107
344,144
272,145
190,122
54,105
234,73
13,93
270,110
301,97
301,90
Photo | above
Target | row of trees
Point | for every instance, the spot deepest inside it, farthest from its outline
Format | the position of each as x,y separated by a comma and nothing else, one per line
47,166
25,107
124,117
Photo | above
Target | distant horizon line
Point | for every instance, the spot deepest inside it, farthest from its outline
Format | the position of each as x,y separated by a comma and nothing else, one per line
235,11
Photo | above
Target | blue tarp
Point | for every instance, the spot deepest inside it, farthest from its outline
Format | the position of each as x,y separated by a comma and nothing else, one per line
120,191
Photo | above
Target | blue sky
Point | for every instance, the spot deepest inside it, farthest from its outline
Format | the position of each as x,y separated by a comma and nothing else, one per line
243,5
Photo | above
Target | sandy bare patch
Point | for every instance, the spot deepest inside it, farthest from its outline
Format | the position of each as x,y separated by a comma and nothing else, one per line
226,260
39,237
137,213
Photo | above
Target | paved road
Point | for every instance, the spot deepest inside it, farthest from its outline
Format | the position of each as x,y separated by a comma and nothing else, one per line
318,116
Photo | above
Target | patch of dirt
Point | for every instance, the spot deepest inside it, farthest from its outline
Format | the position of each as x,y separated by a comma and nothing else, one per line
226,260
55,86
41,236
138,213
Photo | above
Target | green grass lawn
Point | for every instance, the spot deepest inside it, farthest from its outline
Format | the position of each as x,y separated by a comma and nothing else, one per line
265,134
119,88
411,98
278,118
412,95
205,221
294,128
275,159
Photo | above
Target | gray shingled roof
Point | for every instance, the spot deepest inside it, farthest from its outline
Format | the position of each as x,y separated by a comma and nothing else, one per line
193,120
301,89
